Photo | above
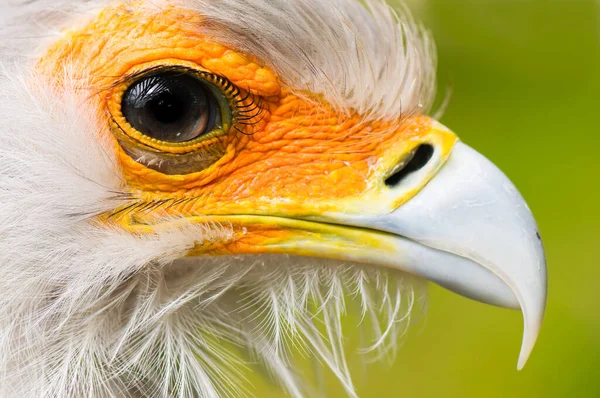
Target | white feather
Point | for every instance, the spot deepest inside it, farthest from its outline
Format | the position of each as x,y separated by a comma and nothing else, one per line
370,59
27,27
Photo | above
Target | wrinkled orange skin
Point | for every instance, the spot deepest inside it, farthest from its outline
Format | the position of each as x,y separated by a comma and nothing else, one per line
301,158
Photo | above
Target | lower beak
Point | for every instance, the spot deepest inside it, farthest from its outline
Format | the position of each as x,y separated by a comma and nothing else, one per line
475,236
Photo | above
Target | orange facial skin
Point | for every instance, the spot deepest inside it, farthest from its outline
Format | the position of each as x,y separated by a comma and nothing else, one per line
300,158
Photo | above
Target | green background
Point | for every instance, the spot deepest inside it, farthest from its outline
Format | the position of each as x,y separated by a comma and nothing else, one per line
525,82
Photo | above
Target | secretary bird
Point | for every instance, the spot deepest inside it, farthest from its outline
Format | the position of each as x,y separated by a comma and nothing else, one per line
194,189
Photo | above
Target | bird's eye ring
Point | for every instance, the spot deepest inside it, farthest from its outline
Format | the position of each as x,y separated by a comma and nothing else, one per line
171,107
171,118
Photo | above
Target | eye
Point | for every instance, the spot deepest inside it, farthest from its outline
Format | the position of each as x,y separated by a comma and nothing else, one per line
171,107
178,119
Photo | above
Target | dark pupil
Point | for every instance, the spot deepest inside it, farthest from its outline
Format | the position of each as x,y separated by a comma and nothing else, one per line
171,107
167,108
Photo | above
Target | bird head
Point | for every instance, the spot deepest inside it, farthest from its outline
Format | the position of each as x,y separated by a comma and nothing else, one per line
177,176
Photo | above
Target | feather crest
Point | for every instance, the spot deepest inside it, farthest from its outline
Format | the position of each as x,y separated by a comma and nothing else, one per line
362,56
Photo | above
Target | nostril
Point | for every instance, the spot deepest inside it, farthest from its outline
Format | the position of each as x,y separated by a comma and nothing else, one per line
420,157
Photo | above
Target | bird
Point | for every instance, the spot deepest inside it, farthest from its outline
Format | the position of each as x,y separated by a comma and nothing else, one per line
191,190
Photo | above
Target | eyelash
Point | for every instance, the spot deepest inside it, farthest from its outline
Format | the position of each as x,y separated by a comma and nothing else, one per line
245,113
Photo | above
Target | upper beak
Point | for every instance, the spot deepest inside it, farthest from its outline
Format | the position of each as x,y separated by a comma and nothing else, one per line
479,238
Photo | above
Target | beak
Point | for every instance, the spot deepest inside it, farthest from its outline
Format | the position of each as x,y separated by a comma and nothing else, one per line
454,219
476,237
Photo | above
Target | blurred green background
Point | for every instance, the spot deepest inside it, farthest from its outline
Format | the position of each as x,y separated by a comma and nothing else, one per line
525,81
